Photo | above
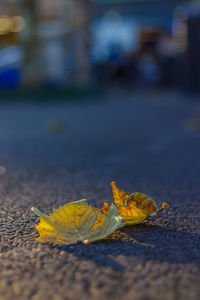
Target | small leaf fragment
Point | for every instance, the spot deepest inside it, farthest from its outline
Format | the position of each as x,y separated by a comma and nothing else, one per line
135,208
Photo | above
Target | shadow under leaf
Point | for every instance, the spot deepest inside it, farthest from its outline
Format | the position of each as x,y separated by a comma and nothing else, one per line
146,242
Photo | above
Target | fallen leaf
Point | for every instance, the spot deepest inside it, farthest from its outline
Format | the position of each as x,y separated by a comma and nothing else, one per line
77,222
135,208
56,127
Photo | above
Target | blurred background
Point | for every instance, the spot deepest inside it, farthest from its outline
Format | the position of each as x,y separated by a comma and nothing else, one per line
84,43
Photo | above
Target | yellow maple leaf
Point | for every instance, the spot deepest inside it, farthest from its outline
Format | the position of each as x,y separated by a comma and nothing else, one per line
135,208
77,222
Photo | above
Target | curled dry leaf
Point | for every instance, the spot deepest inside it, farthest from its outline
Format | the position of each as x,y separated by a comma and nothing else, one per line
135,208
77,222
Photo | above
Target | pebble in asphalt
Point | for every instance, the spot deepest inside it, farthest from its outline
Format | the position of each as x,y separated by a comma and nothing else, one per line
139,141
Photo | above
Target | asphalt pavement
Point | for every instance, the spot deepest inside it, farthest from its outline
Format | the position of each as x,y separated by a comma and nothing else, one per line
58,152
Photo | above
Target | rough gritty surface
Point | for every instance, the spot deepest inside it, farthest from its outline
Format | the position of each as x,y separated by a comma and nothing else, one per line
140,141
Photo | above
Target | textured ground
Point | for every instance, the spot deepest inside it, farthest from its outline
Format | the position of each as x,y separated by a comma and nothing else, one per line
140,141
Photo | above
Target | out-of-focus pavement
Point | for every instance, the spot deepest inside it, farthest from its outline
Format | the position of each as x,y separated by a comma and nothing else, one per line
138,140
